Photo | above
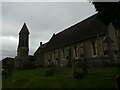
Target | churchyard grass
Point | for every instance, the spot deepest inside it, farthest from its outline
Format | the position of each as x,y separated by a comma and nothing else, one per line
62,78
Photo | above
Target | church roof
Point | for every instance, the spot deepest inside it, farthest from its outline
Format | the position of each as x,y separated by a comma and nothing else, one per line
24,30
86,29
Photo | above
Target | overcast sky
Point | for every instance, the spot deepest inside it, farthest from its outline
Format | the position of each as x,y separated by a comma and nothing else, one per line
42,19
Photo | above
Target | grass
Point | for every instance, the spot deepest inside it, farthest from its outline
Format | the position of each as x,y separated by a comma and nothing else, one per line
35,78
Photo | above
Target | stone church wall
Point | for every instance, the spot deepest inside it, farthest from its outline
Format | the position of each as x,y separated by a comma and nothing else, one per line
100,50
78,52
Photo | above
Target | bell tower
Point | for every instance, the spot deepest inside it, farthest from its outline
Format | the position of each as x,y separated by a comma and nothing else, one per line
23,47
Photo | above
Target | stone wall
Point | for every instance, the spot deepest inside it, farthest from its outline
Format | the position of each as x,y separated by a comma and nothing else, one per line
100,50
22,57
78,52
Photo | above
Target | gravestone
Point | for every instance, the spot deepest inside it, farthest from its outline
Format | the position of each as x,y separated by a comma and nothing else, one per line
118,81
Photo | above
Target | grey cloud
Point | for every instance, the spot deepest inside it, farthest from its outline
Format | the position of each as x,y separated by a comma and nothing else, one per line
43,19
8,53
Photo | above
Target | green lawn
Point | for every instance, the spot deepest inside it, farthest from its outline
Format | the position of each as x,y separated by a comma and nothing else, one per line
35,78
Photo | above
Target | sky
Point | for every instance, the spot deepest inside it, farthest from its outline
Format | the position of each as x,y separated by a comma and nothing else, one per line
42,19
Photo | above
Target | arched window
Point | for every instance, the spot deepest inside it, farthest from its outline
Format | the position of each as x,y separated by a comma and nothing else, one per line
81,50
54,55
94,51
63,53
75,50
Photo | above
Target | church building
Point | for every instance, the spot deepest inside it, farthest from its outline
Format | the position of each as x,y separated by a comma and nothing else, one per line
89,40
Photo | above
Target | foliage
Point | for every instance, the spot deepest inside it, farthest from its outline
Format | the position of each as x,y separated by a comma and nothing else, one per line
108,12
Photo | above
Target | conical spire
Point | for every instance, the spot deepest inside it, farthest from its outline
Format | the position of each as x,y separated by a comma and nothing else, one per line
24,30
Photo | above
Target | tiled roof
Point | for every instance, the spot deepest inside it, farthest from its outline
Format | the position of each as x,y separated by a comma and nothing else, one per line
86,29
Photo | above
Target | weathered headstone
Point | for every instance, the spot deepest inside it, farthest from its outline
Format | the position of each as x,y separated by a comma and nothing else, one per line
118,81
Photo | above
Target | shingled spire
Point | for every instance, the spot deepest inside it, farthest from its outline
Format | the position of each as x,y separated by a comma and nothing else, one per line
24,30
